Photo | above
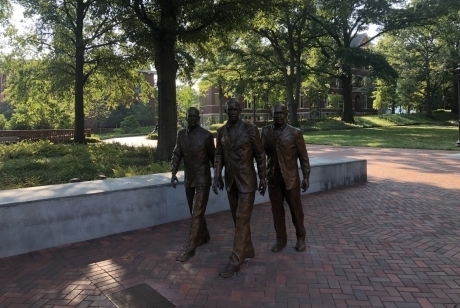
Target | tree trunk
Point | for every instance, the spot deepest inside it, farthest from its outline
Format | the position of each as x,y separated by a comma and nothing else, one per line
347,115
455,90
221,104
428,96
166,66
254,109
79,135
298,83
291,101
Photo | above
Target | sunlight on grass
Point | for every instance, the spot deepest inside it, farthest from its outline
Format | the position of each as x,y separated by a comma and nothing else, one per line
415,137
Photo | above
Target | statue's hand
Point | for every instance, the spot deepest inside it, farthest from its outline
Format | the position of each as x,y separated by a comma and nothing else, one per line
174,180
305,185
262,186
217,184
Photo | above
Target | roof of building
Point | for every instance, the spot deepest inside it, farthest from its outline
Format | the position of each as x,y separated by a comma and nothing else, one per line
358,39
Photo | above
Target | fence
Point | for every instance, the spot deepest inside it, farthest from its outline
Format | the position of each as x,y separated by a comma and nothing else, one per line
54,135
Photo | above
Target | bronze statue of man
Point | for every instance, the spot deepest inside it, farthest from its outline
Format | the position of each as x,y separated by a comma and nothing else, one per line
196,146
285,145
238,144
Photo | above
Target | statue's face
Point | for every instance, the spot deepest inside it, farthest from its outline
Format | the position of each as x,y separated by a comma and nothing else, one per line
193,117
233,111
279,115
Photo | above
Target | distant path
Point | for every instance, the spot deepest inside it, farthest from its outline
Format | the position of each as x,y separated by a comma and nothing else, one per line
133,141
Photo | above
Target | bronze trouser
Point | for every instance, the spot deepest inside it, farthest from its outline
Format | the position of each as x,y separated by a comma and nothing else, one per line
197,198
277,194
241,205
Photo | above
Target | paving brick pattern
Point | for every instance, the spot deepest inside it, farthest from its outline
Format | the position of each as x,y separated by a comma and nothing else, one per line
392,242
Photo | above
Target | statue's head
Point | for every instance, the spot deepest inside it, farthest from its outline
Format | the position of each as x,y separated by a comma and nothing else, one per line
279,114
193,116
233,110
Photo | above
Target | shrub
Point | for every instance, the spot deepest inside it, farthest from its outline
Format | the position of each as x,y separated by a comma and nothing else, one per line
27,164
129,125
3,121
153,136
216,126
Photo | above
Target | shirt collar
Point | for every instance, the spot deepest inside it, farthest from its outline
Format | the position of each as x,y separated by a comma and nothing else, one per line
234,125
282,127
192,129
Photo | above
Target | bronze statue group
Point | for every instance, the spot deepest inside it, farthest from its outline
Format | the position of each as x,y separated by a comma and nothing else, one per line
276,151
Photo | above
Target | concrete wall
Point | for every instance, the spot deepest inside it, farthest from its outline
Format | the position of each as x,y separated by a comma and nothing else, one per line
41,217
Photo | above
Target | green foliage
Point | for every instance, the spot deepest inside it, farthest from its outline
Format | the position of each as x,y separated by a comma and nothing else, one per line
5,10
186,97
30,92
326,124
216,126
6,109
99,112
383,96
335,100
3,121
153,136
86,55
424,57
142,111
43,163
129,125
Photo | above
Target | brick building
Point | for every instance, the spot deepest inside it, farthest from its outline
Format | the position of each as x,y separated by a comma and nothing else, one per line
362,101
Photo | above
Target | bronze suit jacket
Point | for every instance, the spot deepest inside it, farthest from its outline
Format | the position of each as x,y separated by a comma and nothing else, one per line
197,150
238,157
285,150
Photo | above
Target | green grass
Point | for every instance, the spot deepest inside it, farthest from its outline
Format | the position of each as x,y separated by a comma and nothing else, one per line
410,137
118,133
43,163
386,120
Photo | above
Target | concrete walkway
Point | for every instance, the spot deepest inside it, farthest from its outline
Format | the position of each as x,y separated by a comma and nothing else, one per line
392,242
133,141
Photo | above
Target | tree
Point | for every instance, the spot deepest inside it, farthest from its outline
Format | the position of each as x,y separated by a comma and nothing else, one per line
384,96
5,14
424,57
100,113
343,20
29,91
186,98
5,10
79,38
273,52
221,69
167,27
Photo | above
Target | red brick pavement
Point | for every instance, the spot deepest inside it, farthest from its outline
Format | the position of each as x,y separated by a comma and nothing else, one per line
392,242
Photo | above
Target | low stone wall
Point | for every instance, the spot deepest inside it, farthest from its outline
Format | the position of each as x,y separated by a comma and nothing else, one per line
47,216
54,135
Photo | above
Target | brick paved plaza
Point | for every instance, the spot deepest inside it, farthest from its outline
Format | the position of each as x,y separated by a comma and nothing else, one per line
392,242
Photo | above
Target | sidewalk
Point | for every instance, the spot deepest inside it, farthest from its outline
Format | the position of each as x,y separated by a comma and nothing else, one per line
392,242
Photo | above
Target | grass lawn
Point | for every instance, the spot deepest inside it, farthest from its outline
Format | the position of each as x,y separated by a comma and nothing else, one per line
28,164
411,137
141,131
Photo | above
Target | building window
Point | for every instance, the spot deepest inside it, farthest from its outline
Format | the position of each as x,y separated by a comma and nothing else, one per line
247,104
